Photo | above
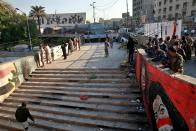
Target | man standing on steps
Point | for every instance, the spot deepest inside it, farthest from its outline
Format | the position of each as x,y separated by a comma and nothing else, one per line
63,47
106,45
131,49
22,114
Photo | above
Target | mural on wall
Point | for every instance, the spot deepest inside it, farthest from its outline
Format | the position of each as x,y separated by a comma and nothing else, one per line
8,78
12,74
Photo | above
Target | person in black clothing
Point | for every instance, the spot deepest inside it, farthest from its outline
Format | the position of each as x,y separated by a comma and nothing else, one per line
162,45
106,45
22,114
130,48
160,55
63,47
180,50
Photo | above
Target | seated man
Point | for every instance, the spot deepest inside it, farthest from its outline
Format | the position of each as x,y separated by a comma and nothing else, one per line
180,50
160,55
150,50
176,60
162,45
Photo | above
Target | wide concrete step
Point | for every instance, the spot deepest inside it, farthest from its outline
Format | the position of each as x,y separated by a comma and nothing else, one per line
51,125
86,69
84,89
78,105
78,120
77,84
78,94
84,76
81,80
90,100
12,125
77,72
81,113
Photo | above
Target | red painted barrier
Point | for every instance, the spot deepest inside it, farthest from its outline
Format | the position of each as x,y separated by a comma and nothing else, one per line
170,100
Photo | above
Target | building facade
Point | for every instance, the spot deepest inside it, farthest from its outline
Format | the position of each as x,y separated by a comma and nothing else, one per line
174,9
112,24
143,11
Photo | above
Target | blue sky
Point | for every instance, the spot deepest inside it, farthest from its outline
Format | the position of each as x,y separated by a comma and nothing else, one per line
105,8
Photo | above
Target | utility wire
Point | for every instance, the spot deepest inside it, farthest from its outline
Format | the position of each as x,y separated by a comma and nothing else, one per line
106,8
106,4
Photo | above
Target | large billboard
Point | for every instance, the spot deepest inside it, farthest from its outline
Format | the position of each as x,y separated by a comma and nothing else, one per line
62,20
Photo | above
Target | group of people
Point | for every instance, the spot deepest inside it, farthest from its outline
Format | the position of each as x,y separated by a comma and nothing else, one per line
171,52
45,53
73,44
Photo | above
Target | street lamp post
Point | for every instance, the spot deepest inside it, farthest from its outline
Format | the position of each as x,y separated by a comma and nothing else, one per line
29,34
93,5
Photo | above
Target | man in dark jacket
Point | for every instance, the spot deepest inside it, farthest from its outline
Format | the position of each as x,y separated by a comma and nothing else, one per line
63,47
130,48
22,114
160,55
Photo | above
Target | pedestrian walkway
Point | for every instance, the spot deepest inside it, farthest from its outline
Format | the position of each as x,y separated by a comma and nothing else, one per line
86,92
91,55
190,67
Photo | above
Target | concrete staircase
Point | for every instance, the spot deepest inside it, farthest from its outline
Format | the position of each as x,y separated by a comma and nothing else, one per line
55,98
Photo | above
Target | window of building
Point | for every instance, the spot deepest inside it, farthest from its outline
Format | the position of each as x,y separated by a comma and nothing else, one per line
165,1
194,3
159,11
164,10
177,6
160,3
170,8
193,13
185,5
184,13
171,1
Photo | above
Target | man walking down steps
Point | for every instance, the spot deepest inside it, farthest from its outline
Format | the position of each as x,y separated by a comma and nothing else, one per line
22,114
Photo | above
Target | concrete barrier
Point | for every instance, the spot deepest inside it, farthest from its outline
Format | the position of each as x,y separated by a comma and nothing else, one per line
161,86
13,73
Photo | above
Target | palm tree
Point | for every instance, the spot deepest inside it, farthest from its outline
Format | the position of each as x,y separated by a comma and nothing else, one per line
39,12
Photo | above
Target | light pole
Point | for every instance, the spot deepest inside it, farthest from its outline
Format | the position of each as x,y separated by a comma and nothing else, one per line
127,13
29,34
93,5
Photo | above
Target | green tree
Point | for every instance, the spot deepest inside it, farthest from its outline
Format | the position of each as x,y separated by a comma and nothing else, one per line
13,27
38,12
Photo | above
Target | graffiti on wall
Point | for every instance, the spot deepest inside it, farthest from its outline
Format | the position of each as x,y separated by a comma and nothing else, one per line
8,78
64,19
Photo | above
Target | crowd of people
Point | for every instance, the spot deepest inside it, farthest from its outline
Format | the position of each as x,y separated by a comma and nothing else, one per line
46,53
73,45
171,52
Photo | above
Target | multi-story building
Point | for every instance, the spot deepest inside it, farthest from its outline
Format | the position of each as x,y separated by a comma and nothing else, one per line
112,24
174,9
143,11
